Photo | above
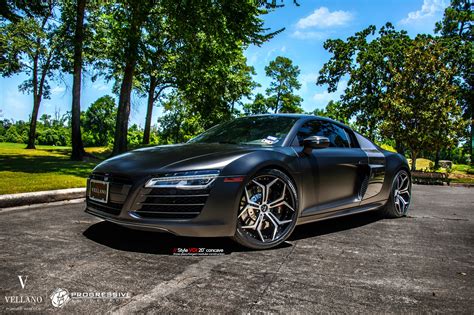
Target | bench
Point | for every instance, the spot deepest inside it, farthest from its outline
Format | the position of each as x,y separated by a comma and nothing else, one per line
429,178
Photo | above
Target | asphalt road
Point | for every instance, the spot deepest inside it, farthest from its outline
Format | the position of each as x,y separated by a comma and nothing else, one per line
422,263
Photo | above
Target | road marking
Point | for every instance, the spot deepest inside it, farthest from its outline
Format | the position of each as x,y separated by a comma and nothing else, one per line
199,271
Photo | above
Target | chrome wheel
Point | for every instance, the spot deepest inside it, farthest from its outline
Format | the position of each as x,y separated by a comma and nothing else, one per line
402,193
268,210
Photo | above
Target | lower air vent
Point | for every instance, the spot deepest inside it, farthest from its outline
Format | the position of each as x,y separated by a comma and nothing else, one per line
110,207
363,187
165,203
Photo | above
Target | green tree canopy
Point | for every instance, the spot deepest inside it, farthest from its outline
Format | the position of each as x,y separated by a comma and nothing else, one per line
333,110
284,75
29,43
179,123
99,121
259,105
456,29
421,109
367,62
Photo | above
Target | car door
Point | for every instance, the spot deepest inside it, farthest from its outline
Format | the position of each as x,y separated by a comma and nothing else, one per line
337,170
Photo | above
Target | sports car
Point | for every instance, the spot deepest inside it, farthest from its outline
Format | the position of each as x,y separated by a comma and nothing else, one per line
252,179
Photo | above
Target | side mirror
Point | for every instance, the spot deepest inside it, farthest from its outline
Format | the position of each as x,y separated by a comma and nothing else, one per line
315,142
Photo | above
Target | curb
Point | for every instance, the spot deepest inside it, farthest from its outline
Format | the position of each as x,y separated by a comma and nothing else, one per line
467,185
16,200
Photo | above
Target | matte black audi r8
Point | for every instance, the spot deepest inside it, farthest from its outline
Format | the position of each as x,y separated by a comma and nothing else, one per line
253,179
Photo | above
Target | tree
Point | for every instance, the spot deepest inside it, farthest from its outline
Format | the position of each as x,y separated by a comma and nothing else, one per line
211,38
72,32
421,108
333,110
179,123
457,32
78,151
205,35
99,121
119,30
133,15
155,73
284,75
258,106
239,83
29,43
368,62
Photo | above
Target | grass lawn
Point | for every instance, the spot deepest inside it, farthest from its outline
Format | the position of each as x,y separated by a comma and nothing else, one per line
459,172
46,168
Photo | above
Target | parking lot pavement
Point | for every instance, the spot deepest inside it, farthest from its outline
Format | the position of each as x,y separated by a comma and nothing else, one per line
422,263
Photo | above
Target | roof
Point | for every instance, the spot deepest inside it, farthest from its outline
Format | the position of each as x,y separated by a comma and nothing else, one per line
305,116
289,115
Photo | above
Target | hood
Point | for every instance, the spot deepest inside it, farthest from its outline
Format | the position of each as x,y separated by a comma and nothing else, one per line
174,158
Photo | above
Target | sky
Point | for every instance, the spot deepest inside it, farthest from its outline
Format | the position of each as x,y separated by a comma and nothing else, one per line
306,28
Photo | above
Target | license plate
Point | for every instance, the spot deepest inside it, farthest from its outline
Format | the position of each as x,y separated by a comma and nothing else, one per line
99,190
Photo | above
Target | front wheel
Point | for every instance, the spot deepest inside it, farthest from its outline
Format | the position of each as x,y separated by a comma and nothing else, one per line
268,210
400,196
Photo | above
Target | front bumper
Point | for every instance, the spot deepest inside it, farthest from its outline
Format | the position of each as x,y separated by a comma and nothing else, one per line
217,218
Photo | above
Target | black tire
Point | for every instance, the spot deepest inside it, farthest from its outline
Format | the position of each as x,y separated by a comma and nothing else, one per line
400,196
261,225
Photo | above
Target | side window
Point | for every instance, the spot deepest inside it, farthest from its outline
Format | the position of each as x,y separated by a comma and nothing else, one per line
352,139
341,139
337,136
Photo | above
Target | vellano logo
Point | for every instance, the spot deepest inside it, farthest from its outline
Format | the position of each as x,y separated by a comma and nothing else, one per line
23,282
19,299
23,299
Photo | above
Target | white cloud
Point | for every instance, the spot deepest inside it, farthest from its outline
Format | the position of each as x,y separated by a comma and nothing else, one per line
99,86
323,18
252,58
308,79
274,51
57,90
322,98
16,105
309,35
270,53
428,9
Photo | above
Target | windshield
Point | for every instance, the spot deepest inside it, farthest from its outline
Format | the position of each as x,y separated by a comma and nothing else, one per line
254,130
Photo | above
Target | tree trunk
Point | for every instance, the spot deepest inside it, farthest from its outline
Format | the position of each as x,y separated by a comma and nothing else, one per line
471,144
34,117
36,103
399,148
123,113
277,102
437,157
38,87
76,137
149,111
414,155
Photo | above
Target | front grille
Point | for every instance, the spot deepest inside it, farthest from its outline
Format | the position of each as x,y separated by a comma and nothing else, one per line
109,207
119,187
170,203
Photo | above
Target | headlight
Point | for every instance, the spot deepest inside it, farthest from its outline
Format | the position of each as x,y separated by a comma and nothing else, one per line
184,180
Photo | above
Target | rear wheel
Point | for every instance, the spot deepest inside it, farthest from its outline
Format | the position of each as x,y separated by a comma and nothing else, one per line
268,210
400,196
